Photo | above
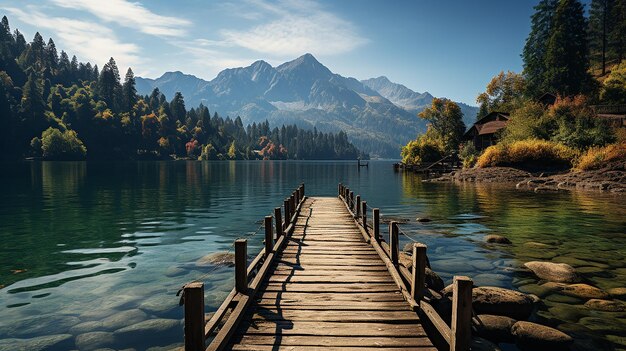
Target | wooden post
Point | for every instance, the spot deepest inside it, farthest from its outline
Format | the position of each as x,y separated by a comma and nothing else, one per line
461,326
339,189
287,212
418,275
296,195
269,236
292,206
376,223
364,214
194,316
302,191
241,266
351,203
279,222
393,242
346,195
357,207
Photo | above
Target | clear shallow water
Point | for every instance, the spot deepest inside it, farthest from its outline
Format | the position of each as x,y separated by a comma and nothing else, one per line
103,246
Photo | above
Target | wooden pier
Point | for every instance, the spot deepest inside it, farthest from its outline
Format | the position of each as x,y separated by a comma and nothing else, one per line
327,281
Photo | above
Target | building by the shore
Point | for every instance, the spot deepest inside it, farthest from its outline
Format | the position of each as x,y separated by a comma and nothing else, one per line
483,132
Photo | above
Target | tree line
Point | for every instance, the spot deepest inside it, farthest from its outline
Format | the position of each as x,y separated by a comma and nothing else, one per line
55,107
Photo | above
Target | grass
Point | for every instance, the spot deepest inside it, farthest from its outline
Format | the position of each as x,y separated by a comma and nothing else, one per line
530,154
596,157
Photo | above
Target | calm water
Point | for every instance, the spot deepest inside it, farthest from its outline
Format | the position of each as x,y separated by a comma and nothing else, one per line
104,247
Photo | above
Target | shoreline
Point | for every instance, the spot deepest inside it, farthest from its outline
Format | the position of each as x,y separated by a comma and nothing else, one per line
609,179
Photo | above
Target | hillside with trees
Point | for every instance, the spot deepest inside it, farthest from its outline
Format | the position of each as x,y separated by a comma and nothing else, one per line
57,108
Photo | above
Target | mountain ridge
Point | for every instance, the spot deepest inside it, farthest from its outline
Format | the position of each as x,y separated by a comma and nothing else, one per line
305,92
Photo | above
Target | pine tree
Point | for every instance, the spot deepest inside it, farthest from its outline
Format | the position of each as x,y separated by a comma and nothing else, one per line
109,87
52,56
32,107
129,92
567,54
600,25
177,106
617,34
534,53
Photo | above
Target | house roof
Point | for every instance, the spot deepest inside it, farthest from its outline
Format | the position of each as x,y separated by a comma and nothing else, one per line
490,127
492,115
489,124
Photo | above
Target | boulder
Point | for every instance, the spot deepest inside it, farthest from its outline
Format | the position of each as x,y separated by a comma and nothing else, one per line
502,302
618,293
497,239
433,280
554,272
494,328
94,341
605,305
40,343
123,319
217,259
533,336
582,291
423,220
148,329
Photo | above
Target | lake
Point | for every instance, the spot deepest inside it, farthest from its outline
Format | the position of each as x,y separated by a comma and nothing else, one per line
93,254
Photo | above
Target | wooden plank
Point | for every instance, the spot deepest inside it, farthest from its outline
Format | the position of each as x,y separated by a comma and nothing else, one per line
284,304
290,279
321,297
330,287
334,341
332,328
309,315
326,348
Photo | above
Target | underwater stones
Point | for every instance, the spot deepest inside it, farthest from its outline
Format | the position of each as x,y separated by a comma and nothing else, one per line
618,293
159,303
148,329
40,325
502,302
554,272
497,239
568,313
86,327
433,280
174,271
494,328
533,336
603,325
123,319
40,343
605,305
223,258
491,279
94,340
535,289
423,219
583,291
480,344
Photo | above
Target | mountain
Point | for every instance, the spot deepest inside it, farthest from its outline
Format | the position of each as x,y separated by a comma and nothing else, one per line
378,115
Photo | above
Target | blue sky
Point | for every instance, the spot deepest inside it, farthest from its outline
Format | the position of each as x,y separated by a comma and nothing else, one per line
448,48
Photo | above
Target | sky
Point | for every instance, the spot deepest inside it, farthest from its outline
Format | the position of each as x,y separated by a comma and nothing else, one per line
449,48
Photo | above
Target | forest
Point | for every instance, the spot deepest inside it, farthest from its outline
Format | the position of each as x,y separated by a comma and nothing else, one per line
575,55
56,108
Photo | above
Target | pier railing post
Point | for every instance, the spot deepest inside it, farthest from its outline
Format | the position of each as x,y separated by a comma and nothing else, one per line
364,214
241,263
357,207
461,326
194,316
418,274
339,189
269,236
292,206
376,223
302,191
286,205
346,196
351,203
279,222
393,242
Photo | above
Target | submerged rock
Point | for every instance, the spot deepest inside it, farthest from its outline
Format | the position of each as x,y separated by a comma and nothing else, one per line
40,343
618,293
583,291
533,336
605,305
148,329
500,301
433,280
218,259
480,344
497,239
94,341
554,272
123,319
494,328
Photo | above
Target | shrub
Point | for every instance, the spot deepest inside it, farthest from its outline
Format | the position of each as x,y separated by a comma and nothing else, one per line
596,157
57,145
531,154
422,149
614,87
468,154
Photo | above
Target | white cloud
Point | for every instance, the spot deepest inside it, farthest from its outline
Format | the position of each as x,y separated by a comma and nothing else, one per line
296,27
87,40
130,14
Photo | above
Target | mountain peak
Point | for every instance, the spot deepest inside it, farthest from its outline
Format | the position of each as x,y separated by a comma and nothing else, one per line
306,62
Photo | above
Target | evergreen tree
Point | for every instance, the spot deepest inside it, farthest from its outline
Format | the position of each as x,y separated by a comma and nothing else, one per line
52,56
20,43
109,87
617,34
567,54
32,107
129,92
600,25
534,53
177,106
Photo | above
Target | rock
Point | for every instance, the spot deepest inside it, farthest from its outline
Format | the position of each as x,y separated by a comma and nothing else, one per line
148,329
494,328
605,305
568,313
123,319
174,271
408,248
480,344
173,347
583,291
497,239
423,220
159,303
554,272
94,341
536,245
433,280
491,279
218,259
603,325
533,336
37,326
618,293
40,343
502,302
86,327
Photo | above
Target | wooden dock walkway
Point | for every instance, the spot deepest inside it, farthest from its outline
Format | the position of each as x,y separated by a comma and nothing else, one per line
324,285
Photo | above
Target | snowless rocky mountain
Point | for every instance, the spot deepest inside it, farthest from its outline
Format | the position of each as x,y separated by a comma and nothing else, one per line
378,115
